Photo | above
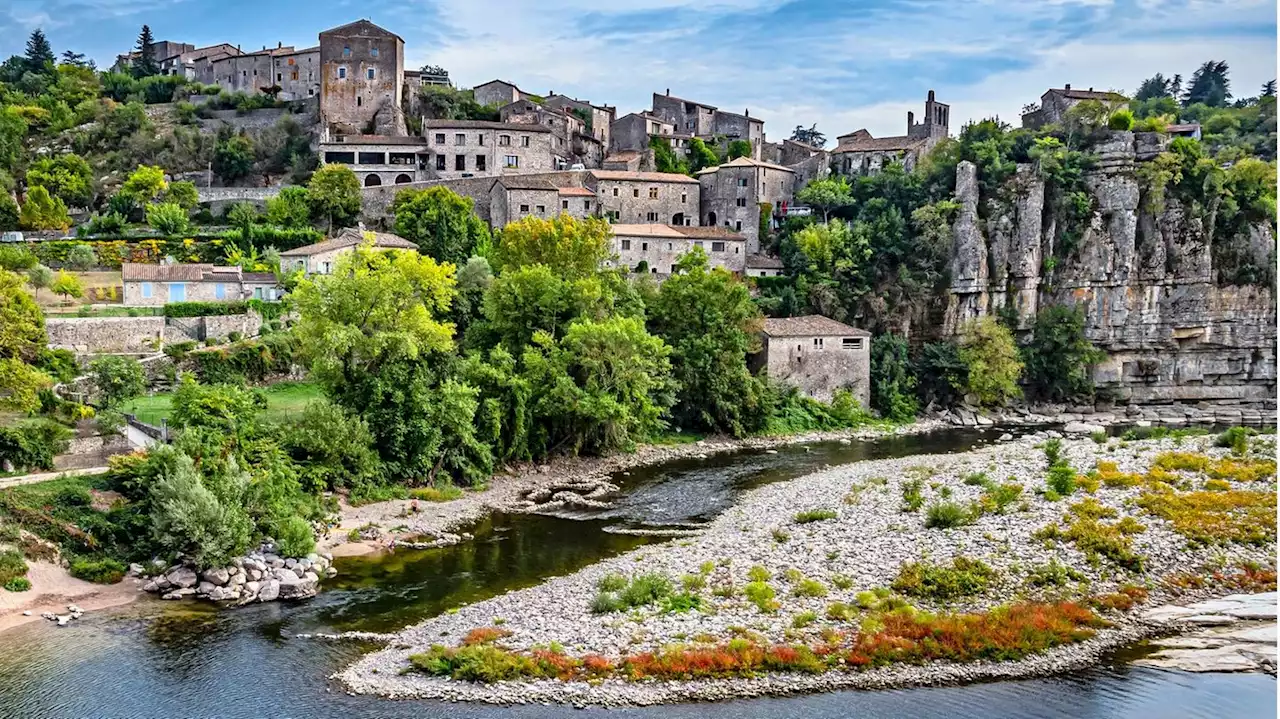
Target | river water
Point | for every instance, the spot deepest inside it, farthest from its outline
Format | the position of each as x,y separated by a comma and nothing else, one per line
157,659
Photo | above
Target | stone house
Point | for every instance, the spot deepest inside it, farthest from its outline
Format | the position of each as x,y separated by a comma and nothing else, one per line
648,197
248,72
632,131
629,161
186,63
759,265
379,160
319,258
570,141
160,50
513,197
496,93
361,73
858,153
659,247
598,118
479,148
817,354
707,122
157,285
1055,103
732,195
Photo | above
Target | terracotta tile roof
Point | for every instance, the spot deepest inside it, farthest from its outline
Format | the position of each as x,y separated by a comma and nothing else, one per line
641,230
480,125
1089,94
764,262
576,192
809,326
350,237
1185,127
879,144
623,155
718,233
361,25
258,278
626,175
136,272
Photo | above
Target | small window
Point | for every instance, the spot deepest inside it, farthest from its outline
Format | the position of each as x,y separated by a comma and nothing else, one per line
439,138
653,270
817,343
653,193
346,52
851,343
512,161
373,52
741,202
279,77
440,162
290,61
542,209
504,140
342,73
480,140
738,225
480,162
370,73
524,208
177,292
293,75
742,182
651,217
626,244
684,197
220,291
717,247
459,139
146,290
524,140
359,101
564,204
635,192
460,162
326,268
615,192
586,205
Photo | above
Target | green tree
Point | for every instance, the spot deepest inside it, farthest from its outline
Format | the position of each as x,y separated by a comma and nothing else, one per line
243,216
291,208
525,300
893,386
665,158
9,214
39,57
16,258
233,158
942,375
1058,357
708,319
168,217
81,257
117,379
334,194
1157,86
145,62
188,518
809,136
701,156
738,148
333,447
183,194
572,247
43,212
826,195
145,184
1210,85
40,278
13,130
22,337
228,409
66,284
67,177
442,223
988,350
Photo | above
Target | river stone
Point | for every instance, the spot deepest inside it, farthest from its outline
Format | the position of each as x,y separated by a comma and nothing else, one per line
298,589
269,591
222,594
254,574
1265,634
179,593
284,575
250,589
310,577
1210,620
218,576
1253,612
182,577
1082,428
304,564
237,580
206,588
290,563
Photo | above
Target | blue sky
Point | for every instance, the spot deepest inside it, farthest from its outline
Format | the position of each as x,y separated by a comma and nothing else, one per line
843,64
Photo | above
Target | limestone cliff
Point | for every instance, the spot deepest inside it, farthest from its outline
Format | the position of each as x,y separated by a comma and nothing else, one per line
1146,282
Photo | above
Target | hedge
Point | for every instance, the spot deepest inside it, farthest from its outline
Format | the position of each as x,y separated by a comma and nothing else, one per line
205,309
32,445
112,251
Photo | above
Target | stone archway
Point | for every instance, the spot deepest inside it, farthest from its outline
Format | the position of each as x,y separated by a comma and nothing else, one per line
678,219
372,181
403,179
711,219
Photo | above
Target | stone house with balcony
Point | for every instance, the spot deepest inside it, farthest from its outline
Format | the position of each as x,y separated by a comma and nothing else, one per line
378,160
660,198
361,79
659,247
858,153
148,285
321,257
816,354
732,195
479,148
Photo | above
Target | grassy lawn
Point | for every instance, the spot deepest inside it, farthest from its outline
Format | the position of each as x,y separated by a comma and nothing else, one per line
91,281
283,400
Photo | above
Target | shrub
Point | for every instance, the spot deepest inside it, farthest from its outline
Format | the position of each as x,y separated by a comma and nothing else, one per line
1058,356
1062,480
1210,517
1121,119
606,602
645,589
912,495
1054,574
693,582
781,535
81,257
204,309
991,356
33,444
1237,438
294,537
1098,437
681,603
17,584
612,583
841,581
892,382
99,571
12,565
168,217
965,577
803,619
814,515
1053,451
945,515
997,497
761,595
117,379
443,493
841,612
809,588
758,574
977,479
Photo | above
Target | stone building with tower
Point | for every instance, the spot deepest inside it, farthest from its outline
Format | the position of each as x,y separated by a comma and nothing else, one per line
858,153
361,80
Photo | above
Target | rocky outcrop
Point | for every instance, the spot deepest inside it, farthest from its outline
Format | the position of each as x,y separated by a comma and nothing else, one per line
261,576
1145,280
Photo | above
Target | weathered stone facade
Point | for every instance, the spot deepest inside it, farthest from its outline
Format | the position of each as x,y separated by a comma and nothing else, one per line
496,93
1055,103
380,160
659,247
648,197
732,194
1145,282
146,285
514,198
601,116
707,122
321,257
477,148
818,355
858,153
361,72
570,142
106,334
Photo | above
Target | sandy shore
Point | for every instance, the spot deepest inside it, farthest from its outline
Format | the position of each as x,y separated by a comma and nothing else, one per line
864,546
52,589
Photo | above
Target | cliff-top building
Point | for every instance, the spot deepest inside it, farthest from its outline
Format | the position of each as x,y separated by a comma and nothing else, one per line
858,153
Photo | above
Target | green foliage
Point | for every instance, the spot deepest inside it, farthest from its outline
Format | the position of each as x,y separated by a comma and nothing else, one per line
66,284
442,223
762,595
912,495
1061,479
942,375
81,257
291,208
67,177
1237,438
16,259
441,102
17,584
332,446
117,378
892,382
826,195
701,156
207,523
22,337
572,247
183,194
145,184
945,515
227,408
1058,357
814,515
1121,119
738,148
665,158
294,537
99,571
168,217
204,309
43,212
965,577
9,212
233,157
334,194
12,566
991,356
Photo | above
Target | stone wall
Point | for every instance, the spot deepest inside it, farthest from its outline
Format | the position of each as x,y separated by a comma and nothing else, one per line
1145,282
818,365
106,334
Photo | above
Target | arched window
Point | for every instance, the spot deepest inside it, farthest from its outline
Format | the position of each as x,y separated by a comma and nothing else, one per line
403,179
678,219
711,219
372,181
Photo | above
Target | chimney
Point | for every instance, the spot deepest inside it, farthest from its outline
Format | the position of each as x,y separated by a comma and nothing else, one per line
1067,86
1090,89
279,44
931,96
747,112
668,92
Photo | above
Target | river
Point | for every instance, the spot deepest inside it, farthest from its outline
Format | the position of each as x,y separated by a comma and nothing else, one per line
158,659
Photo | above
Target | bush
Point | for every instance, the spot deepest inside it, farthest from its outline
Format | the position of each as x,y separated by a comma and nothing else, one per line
945,515
168,217
1058,357
912,495
12,565
1054,574
997,497
809,588
81,257
761,595
294,537
1053,452
117,379
991,356
892,383
18,584
1062,480
1237,438
612,583
99,571
443,493
942,375
814,515
1121,119
965,577
204,309
33,445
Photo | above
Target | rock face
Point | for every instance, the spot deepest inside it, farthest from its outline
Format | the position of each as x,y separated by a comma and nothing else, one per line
260,576
1145,280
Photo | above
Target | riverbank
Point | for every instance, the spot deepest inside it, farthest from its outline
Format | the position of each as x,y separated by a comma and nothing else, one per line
793,566
53,588
383,525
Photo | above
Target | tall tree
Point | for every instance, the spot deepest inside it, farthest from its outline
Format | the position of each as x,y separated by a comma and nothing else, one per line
39,54
1210,85
809,136
144,63
75,58
571,247
1268,88
826,195
1155,86
334,194
22,337
441,222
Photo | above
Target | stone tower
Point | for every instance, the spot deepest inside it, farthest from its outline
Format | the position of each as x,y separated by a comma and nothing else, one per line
937,121
361,72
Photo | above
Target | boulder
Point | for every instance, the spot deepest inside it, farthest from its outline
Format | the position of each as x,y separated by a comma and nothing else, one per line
251,589
254,574
298,589
182,577
290,563
269,591
205,588
222,594
219,576
179,593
